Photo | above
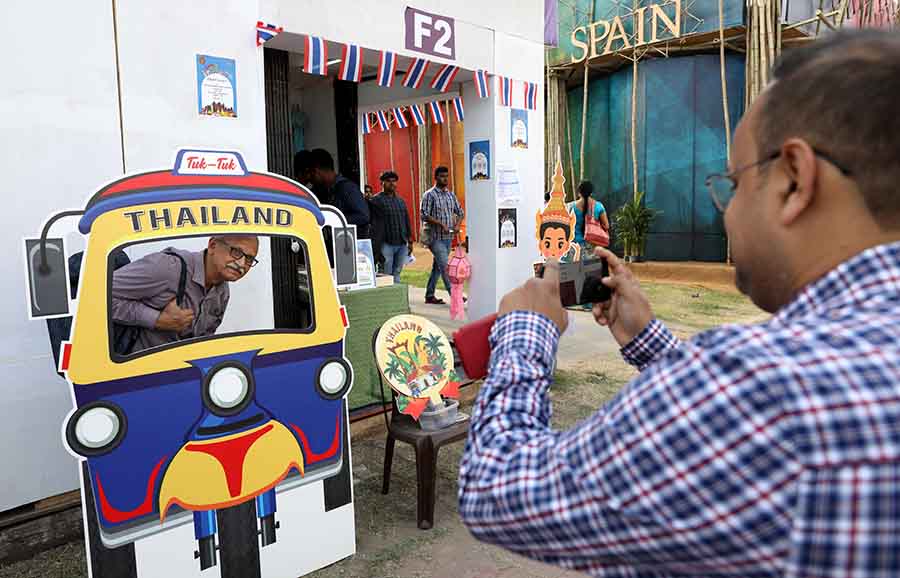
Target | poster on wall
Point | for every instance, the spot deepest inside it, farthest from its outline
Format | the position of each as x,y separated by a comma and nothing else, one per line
216,86
518,128
508,227
480,160
508,191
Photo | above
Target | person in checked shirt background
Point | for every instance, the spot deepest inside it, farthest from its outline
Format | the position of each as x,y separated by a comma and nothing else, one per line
758,451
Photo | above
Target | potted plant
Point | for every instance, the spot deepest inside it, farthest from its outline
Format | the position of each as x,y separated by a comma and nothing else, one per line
632,222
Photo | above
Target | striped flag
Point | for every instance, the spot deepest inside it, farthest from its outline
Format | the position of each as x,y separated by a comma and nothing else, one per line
366,124
444,77
417,116
415,73
458,109
398,116
351,67
316,57
504,85
382,120
266,32
437,113
386,68
531,95
482,83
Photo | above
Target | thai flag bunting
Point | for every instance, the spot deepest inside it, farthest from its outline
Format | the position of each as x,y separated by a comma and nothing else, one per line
482,83
366,126
504,85
316,56
531,95
458,109
351,66
386,68
266,32
444,77
415,73
382,120
437,113
398,116
417,116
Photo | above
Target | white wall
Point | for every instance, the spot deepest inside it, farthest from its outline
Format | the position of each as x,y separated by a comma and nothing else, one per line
59,121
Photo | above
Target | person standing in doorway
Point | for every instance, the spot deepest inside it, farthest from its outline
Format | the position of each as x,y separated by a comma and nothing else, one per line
394,230
345,194
441,213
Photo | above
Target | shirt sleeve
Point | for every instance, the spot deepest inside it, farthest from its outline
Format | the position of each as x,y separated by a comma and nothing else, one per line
649,345
351,198
669,478
599,209
406,223
142,280
427,205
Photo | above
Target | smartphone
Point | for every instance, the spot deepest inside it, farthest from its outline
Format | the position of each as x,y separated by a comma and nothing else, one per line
580,282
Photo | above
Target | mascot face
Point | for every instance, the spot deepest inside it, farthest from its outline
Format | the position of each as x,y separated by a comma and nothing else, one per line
554,242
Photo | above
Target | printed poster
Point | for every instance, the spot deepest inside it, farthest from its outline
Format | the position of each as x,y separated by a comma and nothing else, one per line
518,128
365,264
508,188
480,160
508,227
216,86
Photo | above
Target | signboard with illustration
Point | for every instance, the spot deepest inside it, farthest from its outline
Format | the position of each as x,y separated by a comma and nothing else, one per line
216,86
518,128
480,160
208,446
416,360
555,223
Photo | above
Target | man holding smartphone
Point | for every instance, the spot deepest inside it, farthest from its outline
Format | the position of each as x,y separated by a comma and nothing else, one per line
768,450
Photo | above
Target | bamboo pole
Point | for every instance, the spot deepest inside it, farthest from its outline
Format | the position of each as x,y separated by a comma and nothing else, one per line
634,168
569,140
724,98
584,106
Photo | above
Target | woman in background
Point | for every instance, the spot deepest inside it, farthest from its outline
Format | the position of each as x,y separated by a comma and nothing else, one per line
587,205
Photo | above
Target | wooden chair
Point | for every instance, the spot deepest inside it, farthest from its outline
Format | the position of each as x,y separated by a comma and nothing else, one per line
426,444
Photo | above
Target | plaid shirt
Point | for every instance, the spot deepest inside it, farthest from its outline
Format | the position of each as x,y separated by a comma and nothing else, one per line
394,218
768,450
442,206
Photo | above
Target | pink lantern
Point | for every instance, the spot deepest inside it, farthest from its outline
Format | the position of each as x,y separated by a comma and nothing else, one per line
458,269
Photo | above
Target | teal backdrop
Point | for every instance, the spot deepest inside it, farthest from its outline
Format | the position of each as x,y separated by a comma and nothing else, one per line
680,140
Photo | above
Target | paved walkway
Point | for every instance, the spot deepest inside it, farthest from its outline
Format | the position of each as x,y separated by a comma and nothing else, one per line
584,340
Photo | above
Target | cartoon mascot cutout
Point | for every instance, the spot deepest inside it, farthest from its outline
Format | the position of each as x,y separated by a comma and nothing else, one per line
555,224
217,428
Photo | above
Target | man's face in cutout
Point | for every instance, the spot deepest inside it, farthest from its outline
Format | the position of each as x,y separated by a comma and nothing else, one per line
554,243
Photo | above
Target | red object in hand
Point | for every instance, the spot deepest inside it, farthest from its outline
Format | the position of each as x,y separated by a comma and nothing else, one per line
474,347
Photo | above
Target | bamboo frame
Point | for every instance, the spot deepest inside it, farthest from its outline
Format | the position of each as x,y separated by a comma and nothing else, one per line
584,109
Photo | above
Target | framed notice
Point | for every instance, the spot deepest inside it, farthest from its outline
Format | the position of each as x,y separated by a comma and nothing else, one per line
216,86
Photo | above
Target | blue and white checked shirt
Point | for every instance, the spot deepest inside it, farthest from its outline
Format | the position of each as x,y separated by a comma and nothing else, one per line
768,450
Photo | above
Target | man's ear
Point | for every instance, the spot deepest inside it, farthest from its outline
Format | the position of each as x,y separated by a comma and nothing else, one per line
799,168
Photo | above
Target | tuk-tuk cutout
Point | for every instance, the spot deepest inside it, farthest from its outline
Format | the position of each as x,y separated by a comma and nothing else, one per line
205,423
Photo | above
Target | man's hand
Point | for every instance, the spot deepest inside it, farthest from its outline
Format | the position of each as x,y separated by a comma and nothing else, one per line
540,296
628,312
174,318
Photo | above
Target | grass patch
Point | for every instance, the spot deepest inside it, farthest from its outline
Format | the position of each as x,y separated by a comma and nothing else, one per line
415,278
699,308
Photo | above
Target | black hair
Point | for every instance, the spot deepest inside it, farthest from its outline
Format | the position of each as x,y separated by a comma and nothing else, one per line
586,189
441,169
546,198
321,159
545,226
389,175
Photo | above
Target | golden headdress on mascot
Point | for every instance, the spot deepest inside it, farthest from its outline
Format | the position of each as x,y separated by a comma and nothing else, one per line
556,215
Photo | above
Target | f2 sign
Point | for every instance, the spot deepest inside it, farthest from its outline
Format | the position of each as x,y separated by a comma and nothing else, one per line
430,33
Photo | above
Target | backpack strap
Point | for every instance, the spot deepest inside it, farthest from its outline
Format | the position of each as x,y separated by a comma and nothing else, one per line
182,278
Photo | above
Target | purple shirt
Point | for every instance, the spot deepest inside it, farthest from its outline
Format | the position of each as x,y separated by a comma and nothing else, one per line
141,289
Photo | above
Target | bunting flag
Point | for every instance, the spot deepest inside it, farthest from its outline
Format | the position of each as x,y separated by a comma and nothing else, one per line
386,68
482,83
437,113
382,121
531,95
266,32
415,73
366,124
398,116
444,78
316,57
458,109
504,85
351,66
417,116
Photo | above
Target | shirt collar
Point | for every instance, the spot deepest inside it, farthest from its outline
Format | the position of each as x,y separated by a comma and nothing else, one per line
859,281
